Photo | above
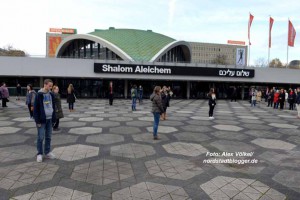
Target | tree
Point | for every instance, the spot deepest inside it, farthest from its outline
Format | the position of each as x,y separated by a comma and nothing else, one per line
261,62
220,60
9,50
276,63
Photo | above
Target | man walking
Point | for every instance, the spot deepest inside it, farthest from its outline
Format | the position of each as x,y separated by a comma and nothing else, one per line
44,115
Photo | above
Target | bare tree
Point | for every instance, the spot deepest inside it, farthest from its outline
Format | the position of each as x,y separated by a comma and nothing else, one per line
220,60
261,62
9,50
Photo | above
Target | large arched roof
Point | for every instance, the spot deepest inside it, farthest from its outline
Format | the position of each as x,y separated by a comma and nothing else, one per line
129,44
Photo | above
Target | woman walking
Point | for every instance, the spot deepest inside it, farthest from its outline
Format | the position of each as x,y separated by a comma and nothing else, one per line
71,97
211,102
58,109
157,109
30,97
4,94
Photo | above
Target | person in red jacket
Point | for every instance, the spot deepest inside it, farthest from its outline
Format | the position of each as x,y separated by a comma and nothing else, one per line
276,99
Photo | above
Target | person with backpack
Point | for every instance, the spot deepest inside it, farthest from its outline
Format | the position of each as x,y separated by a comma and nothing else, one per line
133,97
157,109
30,97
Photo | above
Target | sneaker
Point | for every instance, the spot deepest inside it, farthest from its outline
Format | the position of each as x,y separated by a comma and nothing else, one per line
212,118
155,138
50,156
39,158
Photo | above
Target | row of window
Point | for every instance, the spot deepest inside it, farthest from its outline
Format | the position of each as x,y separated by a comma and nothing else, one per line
214,49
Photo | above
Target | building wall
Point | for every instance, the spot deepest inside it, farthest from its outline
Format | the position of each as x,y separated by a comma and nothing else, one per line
208,52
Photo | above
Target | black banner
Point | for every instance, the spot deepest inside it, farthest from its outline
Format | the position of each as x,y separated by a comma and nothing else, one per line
172,70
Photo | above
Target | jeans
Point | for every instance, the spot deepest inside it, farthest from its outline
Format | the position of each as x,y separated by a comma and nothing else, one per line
211,110
141,98
44,132
253,103
276,105
71,106
133,104
156,122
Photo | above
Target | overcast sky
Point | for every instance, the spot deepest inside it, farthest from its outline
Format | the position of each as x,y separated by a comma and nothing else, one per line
24,23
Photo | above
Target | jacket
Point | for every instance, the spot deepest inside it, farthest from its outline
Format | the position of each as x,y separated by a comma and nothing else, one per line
157,106
39,111
276,97
281,97
165,98
211,100
4,92
58,109
71,97
298,98
30,97
258,96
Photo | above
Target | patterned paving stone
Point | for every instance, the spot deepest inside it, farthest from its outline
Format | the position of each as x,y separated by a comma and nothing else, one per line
125,130
288,159
55,193
194,128
288,131
173,168
263,134
289,178
190,136
223,127
105,139
170,123
247,117
163,129
12,139
200,118
66,119
151,191
294,139
277,125
59,139
102,172
256,126
139,123
27,124
121,119
22,119
186,149
75,152
94,112
8,130
232,146
15,176
106,115
148,138
16,153
149,119
85,130
4,118
229,135
222,187
79,115
273,144
105,124
72,124
6,123
91,119
240,168
132,150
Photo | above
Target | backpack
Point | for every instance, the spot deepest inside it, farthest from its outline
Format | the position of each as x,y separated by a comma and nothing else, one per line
133,93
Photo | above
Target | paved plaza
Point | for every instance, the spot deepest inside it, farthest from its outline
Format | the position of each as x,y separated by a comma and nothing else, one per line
108,152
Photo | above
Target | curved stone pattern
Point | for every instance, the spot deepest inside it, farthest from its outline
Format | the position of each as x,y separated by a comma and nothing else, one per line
186,149
278,125
190,136
289,178
85,130
232,146
102,172
151,191
16,176
163,129
132,150
173,168
75,152
8,130
223,127
57,193
16,153
148,138
222,187
273,144
125,130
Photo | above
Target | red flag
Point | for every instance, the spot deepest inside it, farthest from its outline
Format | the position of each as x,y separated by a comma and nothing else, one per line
270,30
291,34
249,26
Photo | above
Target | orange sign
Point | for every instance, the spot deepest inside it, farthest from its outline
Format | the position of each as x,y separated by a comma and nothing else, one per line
236,42
63,30
53,44
55,30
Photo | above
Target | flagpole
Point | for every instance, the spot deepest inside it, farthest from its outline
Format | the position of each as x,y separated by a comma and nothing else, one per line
287,51
269,44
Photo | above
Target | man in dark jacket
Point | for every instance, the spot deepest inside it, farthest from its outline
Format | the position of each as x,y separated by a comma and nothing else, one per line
281,99
44,116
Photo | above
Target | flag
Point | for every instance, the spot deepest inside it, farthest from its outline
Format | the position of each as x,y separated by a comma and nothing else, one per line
291,34
270,30
249,26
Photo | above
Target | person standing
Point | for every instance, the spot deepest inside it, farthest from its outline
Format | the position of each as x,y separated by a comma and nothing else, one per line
270,98
258,96
133,97
44,116
298,102
30,97
165,98
211,102
286,98
140,94
157,109
234,94
291,99
19,91
5,94
276,99
58,109
111,93
71,97
281,99
253,97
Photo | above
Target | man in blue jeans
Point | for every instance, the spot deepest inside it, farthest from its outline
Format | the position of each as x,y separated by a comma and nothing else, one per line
44,116
157,109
